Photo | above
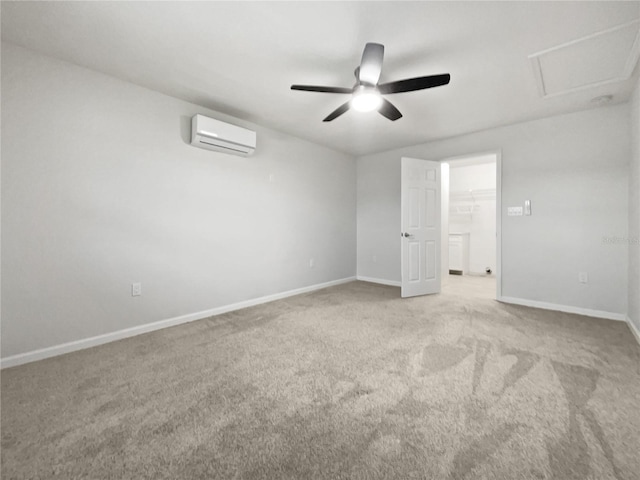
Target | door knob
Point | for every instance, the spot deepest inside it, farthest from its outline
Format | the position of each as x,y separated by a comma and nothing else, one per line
407,235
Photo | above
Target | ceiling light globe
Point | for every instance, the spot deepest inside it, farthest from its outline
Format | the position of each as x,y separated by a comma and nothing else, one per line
366,101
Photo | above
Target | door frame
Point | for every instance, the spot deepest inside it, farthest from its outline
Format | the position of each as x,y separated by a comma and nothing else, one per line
498,155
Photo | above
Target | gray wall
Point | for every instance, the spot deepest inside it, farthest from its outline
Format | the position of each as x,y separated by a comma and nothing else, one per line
100,189
379,217
634,212
573,168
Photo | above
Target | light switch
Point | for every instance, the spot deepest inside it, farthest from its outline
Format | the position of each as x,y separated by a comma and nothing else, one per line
527,207
514,211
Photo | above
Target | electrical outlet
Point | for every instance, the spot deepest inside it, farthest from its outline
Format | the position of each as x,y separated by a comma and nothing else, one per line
312,262
583,277
136,289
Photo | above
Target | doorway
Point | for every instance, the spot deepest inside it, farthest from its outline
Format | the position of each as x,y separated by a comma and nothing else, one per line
470,216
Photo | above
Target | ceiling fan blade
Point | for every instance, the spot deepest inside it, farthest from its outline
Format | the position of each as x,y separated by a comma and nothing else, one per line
411,84
313,88
388,110
337,112
371,64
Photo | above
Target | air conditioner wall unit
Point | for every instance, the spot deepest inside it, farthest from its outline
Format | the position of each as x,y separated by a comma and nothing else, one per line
219,136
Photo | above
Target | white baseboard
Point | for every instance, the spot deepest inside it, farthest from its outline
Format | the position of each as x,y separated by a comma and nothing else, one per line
634,329
381,281
56,350
564,308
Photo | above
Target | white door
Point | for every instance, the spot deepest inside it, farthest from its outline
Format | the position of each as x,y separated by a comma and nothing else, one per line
420,206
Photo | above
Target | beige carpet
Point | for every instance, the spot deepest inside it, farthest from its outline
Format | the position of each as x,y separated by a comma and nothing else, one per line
347,382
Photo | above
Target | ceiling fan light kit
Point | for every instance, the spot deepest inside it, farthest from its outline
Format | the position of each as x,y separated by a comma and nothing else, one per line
367,93
366,99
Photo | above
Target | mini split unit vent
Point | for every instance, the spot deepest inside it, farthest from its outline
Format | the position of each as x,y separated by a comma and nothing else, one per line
221,137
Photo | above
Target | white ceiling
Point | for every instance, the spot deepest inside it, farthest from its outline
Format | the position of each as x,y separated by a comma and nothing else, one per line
240,58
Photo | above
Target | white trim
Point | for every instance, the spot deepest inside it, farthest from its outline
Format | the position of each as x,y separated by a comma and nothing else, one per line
381,281
564,308
56,350
634,330
462,161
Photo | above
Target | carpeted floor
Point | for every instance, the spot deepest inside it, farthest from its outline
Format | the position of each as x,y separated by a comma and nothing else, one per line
348,382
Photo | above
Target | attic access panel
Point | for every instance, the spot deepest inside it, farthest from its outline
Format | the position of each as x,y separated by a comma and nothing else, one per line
604,57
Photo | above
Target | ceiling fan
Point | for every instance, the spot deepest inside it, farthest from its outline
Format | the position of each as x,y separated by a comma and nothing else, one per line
367,93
